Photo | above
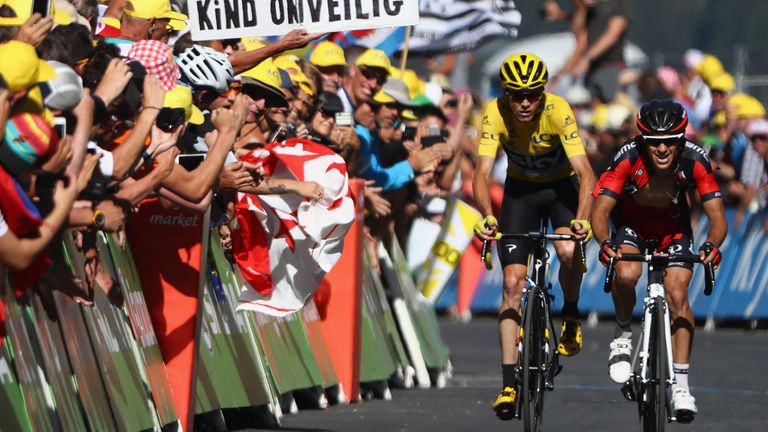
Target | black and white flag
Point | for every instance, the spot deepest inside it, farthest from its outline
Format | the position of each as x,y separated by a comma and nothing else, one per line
460,25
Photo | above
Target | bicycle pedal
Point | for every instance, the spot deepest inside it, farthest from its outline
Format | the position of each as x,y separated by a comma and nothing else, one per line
628,391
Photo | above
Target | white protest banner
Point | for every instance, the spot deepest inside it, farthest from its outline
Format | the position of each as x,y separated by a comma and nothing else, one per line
225,19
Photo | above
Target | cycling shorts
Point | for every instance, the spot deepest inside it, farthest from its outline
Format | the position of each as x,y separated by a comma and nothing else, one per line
675,245
526,204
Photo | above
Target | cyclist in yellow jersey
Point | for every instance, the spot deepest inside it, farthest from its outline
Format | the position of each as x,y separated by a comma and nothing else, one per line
549,175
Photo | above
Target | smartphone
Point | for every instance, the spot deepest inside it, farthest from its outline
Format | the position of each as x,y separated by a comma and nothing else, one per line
343,119
409,133
430,140
43,7
60,126
190,161
433,130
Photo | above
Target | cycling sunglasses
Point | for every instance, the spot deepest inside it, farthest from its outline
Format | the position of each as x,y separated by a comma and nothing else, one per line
520,97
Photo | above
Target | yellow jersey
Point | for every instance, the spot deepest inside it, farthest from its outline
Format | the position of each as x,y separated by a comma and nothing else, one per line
538,150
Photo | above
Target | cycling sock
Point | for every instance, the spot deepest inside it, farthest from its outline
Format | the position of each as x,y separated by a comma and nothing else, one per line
623,330
571,309
508,375
681,374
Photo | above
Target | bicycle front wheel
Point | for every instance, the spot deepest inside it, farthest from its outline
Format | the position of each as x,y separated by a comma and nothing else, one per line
533,360
655,411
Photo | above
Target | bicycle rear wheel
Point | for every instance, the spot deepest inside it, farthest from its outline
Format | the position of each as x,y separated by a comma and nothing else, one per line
655,411
533,359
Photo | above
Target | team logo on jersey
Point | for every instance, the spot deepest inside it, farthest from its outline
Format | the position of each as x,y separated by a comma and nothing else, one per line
572,136
549,107
511,247
488,136
639,172
630,232
675,249
568,121
485,120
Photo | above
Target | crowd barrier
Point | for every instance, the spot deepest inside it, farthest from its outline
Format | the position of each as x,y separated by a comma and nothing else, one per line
115,365
741,290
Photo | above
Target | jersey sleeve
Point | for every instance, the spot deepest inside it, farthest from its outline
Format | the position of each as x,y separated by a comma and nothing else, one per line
492,128
704,177
563,119
611,182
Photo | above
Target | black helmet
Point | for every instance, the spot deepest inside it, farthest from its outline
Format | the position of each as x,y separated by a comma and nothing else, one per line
662,119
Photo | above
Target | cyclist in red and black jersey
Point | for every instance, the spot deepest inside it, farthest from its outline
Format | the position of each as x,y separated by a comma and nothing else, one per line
643,192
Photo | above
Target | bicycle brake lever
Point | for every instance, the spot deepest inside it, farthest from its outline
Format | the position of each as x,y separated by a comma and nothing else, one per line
709,275
583,257
609,275
485,255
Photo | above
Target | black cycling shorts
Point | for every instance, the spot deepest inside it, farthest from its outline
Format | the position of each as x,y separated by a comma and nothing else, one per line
524,206
681,245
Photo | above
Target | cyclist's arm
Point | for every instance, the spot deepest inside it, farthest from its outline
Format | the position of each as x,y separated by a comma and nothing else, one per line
586,177
601,212
480,180
718,226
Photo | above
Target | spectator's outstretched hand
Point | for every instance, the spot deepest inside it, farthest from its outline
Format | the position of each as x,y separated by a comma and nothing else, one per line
166,160
61,158
162,141
235,176
380,206
424,160
113,82
298,38
35,29
89,165
65,194
154,94
114,215
310,190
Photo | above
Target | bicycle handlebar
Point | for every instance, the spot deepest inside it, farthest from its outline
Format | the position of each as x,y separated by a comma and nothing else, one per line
485,255
709,271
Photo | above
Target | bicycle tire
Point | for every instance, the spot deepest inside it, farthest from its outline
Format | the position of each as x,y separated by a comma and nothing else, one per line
532,387
654,412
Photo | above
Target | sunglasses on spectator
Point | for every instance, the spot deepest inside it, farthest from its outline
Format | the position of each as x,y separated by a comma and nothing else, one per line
327,113
520,97
760,137
370,73
234,89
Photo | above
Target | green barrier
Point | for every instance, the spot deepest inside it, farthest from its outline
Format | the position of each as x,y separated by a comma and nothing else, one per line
435,350
14,417
230,374
393,339
117,353
56,366
119,263
34,386
378,359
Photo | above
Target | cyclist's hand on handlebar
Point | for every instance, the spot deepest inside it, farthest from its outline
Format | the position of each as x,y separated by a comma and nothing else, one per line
709,253
582,229
608,250
485,229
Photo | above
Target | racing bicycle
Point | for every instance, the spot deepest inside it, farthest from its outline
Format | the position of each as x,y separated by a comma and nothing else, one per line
538,348
652,362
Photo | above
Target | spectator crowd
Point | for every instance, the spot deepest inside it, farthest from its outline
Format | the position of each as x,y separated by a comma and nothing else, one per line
98,103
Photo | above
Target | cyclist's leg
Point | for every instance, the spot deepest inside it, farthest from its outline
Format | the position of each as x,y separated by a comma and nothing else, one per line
623,294
676,280
517,215
562,209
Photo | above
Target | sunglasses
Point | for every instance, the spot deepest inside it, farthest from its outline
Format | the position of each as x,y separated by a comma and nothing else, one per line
520,97
379,76
760,137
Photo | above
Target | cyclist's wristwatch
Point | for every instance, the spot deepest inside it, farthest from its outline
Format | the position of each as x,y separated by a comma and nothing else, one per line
99,219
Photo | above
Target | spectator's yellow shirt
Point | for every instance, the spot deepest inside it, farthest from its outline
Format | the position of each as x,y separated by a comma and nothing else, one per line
537,151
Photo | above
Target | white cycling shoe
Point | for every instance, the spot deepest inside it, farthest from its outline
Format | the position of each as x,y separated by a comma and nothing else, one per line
684,405
619,360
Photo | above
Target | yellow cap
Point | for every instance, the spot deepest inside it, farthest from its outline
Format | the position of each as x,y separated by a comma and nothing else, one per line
288,64
411,79
265,72
374,58
23,10
719,119
252,43
722,83
26,69
746,106
146,9
181,97
709,67
112,22
408,114
327,53
600,117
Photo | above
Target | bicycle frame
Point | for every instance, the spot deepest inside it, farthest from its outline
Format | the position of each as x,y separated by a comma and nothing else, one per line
641,384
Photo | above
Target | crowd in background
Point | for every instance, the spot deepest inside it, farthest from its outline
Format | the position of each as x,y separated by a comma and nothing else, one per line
98,102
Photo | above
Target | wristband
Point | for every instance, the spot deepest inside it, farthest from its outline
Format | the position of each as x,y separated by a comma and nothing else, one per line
99,219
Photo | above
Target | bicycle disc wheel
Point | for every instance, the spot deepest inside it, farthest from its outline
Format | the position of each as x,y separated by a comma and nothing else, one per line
533,362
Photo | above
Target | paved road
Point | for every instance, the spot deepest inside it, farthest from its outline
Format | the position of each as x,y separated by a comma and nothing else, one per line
730,386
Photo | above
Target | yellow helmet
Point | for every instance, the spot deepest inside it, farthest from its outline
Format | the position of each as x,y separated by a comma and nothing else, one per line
523,71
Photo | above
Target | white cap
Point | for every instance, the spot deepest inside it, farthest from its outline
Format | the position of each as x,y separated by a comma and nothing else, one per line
617,115
692,57
577,95
757,127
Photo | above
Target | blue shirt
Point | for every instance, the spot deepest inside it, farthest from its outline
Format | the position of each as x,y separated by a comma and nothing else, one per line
370,168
